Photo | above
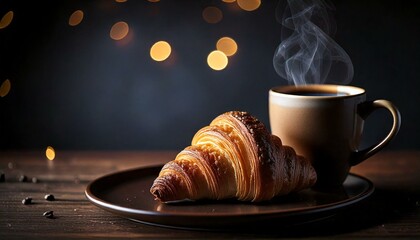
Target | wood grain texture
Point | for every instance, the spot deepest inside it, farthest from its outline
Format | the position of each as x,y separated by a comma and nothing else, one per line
392,212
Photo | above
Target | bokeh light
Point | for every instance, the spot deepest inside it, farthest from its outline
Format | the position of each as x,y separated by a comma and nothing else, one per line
76,18
6,19
119,30
50,153
212,14
153,1
5,88
249,5
217,60
160,51
227,45
121,1
228,1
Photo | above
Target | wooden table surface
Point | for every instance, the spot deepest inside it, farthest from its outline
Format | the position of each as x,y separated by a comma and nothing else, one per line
393,211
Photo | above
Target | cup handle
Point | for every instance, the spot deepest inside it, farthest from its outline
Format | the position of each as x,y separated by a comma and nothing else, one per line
364,110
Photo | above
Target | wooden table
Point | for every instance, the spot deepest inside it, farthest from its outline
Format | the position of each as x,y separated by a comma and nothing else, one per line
393,211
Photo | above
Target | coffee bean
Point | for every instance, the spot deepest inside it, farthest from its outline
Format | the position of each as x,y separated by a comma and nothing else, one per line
49,197
23,178
48,214
27,200
2,177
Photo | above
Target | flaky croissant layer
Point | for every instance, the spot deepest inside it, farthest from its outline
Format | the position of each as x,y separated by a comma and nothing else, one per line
234,157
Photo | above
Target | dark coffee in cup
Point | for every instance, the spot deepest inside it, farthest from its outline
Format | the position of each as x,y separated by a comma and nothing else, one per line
319,94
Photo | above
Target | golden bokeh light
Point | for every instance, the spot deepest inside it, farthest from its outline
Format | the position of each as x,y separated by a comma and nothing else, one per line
6,19
50,153
76,18
160,51
249,5
217,60
227,45
228,1
5,88
121,1
212,15
119,30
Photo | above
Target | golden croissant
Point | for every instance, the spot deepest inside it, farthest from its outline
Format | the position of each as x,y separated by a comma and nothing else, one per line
234,157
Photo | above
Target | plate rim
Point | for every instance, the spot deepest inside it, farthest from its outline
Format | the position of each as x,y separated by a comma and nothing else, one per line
291,212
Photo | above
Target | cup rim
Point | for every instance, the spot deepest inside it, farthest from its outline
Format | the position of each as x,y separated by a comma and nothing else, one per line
286,90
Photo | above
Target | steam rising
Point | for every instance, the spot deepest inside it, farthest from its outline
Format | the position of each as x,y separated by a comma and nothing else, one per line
307,54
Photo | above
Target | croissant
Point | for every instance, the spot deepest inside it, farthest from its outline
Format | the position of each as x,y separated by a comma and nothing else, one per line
234,157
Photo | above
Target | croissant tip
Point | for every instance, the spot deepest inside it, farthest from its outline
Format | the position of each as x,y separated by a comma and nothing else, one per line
314,178
156,192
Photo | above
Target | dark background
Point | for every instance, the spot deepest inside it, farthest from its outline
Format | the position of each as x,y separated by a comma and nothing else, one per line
76,88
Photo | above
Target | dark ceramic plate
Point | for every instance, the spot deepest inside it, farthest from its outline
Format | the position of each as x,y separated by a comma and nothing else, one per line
126,194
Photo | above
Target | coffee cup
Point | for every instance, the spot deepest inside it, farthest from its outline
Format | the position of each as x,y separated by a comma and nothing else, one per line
324,123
